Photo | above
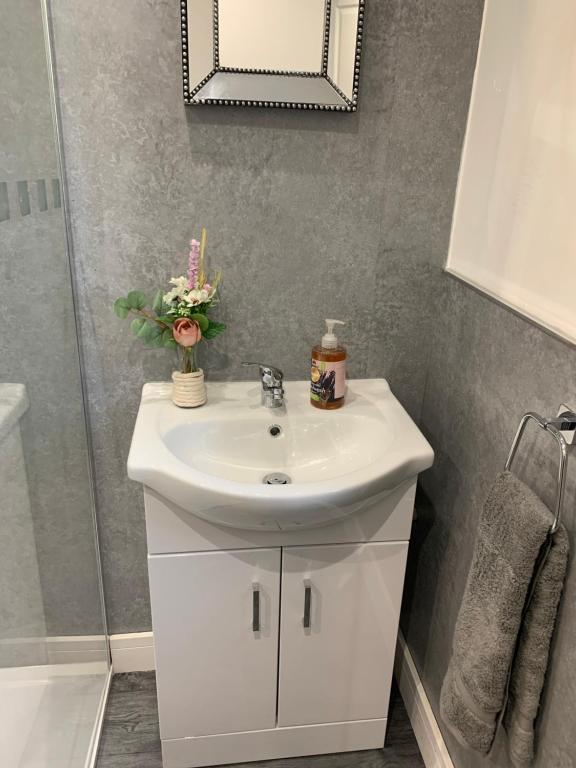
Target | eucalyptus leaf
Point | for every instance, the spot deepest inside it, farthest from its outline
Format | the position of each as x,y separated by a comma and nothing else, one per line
155,341
153,332
158,303
137,325
121,308
136,300
147,331
202,321
168,340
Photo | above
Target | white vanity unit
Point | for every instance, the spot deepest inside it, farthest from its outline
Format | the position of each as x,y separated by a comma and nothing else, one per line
275,607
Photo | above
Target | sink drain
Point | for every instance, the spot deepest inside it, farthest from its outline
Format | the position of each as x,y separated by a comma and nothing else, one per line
277,478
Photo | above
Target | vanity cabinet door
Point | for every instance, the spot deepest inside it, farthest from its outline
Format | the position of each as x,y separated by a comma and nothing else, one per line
215,617
339,621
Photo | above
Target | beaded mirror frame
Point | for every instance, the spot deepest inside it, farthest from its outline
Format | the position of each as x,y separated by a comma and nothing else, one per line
285,89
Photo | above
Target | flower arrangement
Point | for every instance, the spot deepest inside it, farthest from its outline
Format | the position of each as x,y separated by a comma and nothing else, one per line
178,318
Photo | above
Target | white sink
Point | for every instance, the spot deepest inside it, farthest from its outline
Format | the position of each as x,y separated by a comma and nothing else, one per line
212,461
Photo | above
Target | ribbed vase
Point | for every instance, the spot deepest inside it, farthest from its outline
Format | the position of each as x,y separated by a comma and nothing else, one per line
188,389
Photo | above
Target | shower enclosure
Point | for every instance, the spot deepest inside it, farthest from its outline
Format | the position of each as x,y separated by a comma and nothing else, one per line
54,654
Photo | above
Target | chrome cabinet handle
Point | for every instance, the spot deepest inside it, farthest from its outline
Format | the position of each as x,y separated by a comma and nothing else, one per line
307,604
256,608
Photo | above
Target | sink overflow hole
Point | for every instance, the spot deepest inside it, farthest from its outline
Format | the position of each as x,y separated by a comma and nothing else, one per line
275,430
277,478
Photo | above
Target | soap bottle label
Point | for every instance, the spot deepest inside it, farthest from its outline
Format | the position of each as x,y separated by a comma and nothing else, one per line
328,380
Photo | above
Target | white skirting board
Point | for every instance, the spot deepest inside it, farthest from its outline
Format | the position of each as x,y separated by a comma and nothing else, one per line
133,652
428,734
60,649
76,649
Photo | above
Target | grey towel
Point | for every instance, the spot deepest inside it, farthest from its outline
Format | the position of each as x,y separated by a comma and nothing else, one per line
499,647
531,659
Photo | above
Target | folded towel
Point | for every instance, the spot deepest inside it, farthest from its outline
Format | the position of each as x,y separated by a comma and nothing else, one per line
495,620
531,658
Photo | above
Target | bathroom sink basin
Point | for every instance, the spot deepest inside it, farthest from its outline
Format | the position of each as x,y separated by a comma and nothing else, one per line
216,461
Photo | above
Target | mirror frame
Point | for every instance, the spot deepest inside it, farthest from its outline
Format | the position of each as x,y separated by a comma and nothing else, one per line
350,106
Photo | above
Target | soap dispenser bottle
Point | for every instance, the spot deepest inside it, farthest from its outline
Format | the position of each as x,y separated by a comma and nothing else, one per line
328,370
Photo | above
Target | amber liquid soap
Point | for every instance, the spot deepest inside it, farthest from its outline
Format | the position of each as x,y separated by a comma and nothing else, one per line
328,371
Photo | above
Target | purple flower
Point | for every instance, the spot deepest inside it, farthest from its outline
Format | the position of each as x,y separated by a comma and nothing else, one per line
193,263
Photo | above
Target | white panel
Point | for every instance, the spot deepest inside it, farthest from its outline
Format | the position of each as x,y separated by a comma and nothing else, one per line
514,228
341,668
273,744
214,674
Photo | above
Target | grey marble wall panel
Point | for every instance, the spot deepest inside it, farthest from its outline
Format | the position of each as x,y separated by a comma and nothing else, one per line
487,368
39,350
309,215
38,346
26,134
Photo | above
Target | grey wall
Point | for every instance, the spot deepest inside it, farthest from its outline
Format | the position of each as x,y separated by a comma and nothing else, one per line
309,215
487,368
38,345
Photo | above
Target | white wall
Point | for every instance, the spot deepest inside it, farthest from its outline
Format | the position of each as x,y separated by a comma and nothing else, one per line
514,228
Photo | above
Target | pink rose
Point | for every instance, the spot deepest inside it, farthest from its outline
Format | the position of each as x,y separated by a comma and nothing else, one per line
186,332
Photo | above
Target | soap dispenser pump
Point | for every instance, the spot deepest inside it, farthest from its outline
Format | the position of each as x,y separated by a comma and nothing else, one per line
328,370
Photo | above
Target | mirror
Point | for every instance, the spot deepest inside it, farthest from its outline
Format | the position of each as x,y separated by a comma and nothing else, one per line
299,54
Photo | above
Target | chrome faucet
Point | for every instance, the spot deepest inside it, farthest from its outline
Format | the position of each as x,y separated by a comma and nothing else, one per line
272,389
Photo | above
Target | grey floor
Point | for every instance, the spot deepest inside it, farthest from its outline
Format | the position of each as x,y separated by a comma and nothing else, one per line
130,737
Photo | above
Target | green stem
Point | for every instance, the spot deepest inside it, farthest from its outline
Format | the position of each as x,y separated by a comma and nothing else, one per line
151,318
188,359
185,365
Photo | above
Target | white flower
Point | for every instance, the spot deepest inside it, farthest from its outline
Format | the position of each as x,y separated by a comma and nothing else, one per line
196,296
181,283
169,297
179,291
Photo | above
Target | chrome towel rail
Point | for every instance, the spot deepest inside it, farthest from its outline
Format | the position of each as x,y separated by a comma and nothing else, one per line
565,422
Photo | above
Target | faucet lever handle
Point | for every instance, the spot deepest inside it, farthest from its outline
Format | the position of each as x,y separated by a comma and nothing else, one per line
270,375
